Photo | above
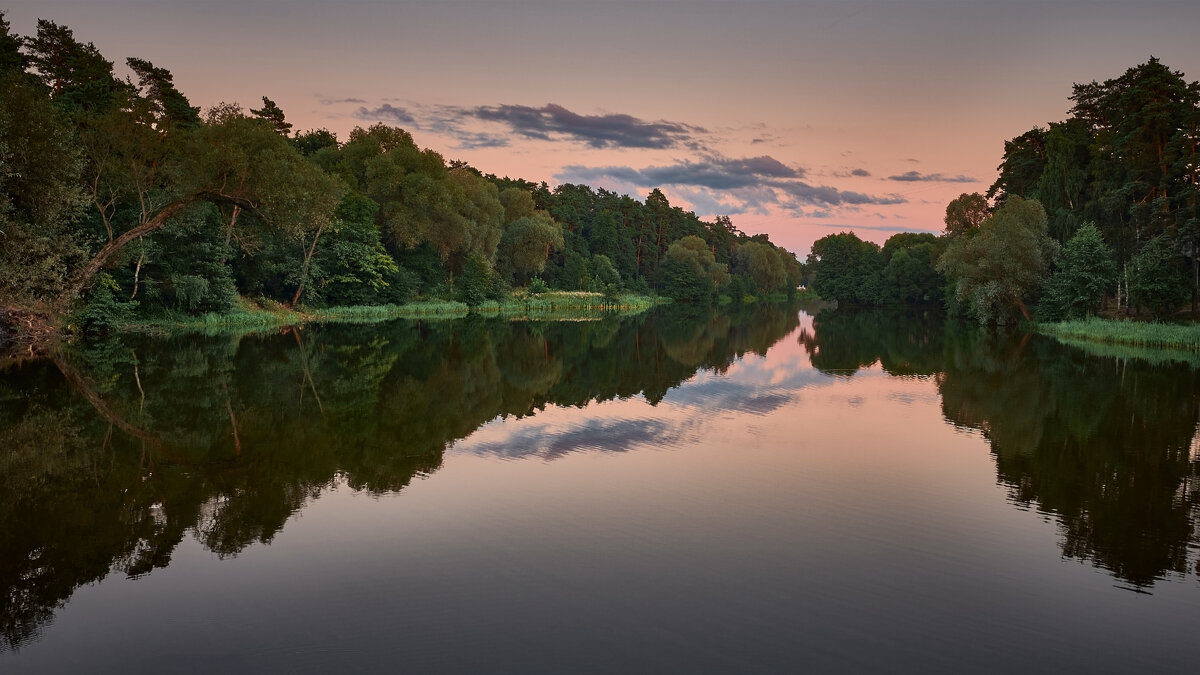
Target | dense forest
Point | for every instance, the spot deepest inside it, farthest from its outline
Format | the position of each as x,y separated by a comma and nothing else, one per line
1100,212
120,199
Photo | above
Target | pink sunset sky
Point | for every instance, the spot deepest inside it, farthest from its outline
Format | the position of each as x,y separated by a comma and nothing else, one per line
795,118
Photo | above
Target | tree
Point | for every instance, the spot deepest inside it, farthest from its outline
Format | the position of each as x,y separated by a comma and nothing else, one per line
230,159
1157,281
908,274
846,269
692,253
527,243
81,81
1086,269
170,108
273,115
996,270
40,195
1022,166
764,265
964,215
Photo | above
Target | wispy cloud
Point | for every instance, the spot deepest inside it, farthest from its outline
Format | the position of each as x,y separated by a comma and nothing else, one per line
329,100
918,177
385,113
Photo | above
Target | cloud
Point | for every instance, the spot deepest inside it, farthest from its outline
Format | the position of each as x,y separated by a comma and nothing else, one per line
325,100
543,441
475,141
753,183
853,173
386,112
715,172
917,177
553,122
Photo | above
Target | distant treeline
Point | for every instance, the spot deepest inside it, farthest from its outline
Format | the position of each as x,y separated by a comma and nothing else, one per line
119,198
1100,210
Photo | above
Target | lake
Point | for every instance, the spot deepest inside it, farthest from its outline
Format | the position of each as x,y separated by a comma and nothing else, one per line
756,490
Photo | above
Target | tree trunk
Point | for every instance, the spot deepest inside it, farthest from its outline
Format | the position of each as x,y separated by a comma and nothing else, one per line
229,230
307,260
137,272
84,278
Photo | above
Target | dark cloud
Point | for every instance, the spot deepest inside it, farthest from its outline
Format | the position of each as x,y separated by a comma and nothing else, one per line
717,173
554,122
720,173
917,177
853,173
385,113
756,182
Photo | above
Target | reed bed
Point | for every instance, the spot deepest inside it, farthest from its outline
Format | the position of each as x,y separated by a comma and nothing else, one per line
249,316
1136,333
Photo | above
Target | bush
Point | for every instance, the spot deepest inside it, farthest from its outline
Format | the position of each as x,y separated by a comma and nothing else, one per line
104,312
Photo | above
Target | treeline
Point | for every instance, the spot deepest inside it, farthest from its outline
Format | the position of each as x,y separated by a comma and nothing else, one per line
118,198
1101,210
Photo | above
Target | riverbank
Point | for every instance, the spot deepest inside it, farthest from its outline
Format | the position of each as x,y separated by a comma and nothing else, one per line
1124,332
251,315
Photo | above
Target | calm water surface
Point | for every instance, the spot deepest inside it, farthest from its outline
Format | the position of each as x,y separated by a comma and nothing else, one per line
755,491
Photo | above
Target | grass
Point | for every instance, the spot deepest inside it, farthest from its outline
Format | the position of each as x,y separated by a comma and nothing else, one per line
249,316
1134,333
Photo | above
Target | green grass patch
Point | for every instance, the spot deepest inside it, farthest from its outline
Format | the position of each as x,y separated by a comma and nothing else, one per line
1134,333
249,316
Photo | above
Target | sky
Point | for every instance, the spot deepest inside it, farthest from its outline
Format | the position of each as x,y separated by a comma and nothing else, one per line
797,119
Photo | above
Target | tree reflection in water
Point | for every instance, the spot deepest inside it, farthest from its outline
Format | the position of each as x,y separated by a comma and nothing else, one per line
1104,443
115,453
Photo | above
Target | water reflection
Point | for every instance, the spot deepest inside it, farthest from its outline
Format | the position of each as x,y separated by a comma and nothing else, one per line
115,453
1103,442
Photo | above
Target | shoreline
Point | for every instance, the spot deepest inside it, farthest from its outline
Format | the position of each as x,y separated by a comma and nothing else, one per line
548,306
1177,337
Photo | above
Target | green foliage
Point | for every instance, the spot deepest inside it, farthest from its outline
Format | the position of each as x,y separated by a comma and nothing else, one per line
965,214
1126,159
683,281
846,269
1126,332
1003,264
706,274
104,311
273,115
1086,270
476,283
41,198
527,243
605,276
355,267
1157,281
